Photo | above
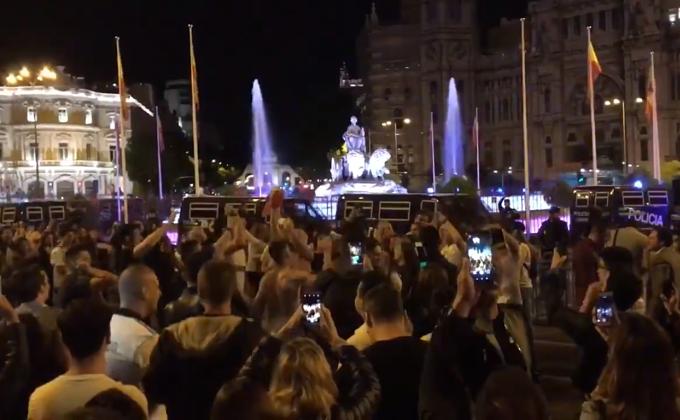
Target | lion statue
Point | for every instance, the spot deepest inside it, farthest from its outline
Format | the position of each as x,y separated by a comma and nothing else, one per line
376,163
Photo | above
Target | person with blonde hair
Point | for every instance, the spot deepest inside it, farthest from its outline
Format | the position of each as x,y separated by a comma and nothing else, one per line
302,383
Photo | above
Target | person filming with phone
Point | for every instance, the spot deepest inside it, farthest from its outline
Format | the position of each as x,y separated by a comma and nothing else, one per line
477,335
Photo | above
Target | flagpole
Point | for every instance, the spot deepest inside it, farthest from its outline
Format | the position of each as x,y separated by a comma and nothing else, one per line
194,97
656,162
158,152
123,144
591,95
117,126
434,170
525,134
476,128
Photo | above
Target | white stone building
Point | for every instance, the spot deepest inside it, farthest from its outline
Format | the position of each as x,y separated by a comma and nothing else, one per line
76,140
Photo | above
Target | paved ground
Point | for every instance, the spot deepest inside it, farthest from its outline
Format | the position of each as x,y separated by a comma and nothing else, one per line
556,358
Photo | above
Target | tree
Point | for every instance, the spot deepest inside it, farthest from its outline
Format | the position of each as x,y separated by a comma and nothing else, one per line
141,154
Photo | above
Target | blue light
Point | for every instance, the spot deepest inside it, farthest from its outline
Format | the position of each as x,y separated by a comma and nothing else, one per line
637,184
499,190
430,190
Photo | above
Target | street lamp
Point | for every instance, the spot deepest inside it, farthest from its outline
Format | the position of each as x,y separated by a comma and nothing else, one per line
393,122
616,102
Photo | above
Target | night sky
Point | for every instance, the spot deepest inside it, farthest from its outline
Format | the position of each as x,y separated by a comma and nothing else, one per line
295,48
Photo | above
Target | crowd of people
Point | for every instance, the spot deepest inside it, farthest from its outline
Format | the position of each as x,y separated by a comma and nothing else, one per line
258,318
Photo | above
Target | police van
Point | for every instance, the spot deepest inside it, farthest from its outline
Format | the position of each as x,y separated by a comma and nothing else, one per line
210,211
621,205
401,209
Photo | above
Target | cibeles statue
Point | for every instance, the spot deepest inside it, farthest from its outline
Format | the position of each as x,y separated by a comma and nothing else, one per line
355,137
353,171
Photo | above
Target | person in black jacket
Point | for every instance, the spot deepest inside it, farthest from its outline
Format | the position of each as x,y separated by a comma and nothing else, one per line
187,304
194,357
474,339
14,359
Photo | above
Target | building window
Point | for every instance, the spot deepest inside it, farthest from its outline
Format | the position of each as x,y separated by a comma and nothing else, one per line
571,138
616,19
672,15
88,116
407,94
62,115
675,85
2,150
507,154
589,20
548,157
112,122
435,114
387,94
112,152
602,20
488,154
546,100
31,114
565,28
431,10
577,25
506,110
32,151
63,151
487,112
89,152
455,10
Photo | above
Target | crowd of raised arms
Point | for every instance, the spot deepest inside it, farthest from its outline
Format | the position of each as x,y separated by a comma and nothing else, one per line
271,319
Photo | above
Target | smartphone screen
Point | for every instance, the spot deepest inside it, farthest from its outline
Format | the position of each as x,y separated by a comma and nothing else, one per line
604,310
311,307
479,254
356,253
422,254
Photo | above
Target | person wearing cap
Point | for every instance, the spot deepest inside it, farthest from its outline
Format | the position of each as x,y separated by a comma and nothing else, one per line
554,232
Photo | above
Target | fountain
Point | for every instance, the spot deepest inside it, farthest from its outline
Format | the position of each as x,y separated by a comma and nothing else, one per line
453,136
264,158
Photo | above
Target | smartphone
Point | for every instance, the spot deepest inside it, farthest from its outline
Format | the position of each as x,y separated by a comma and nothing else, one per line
479,254
356,253
311,307
604,310
422,254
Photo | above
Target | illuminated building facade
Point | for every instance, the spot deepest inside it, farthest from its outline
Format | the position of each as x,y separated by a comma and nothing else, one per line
72,130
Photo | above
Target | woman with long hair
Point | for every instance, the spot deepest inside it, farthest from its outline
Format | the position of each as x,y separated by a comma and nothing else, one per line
302,384
640,379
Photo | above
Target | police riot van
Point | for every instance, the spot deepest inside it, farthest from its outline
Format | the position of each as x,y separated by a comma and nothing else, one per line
465,210
621,205
209,211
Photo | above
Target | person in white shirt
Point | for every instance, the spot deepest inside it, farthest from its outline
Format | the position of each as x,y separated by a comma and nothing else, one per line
58,261
132,339
84,327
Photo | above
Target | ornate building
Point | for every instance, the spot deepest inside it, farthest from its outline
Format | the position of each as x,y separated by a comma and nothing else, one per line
71,129
405,67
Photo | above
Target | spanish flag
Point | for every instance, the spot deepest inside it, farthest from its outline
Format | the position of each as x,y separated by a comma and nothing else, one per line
194,73
650,100
122,91
593,62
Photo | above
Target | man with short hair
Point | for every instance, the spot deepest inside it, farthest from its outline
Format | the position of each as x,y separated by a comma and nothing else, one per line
132,339
394,346
34,291
83,280
84,327
194,357
553,232
188,303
